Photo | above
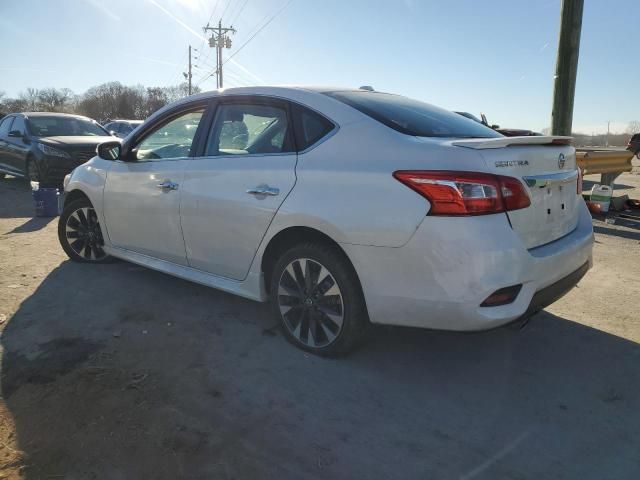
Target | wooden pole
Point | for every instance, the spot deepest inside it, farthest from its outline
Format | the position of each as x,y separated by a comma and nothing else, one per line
566,67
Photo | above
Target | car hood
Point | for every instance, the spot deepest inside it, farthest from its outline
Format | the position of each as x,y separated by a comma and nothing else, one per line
84,141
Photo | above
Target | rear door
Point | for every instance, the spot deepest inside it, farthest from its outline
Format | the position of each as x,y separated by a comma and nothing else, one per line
142,195
233,191
548,169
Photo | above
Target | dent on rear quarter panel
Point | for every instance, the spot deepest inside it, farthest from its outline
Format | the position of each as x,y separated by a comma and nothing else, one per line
346,186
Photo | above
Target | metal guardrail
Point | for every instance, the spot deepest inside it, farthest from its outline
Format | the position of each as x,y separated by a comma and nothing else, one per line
609,163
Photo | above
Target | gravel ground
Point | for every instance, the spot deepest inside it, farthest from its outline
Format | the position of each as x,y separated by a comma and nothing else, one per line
117,372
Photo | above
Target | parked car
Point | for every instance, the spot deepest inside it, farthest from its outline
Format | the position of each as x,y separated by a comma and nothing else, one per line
122,128
45,147
507,132
341,207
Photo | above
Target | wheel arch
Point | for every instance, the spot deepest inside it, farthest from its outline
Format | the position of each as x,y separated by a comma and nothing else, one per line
290,236
74,195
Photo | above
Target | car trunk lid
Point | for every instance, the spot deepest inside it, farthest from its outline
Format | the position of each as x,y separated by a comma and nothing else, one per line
547,166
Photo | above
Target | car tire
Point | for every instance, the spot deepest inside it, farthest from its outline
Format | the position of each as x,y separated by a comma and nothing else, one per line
35,172
316,296
80,234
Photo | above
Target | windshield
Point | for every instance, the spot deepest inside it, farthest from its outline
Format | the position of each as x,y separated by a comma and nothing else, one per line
65,127
412,117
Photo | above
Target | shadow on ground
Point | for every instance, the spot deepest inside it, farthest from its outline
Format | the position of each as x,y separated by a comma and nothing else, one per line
114,371
12,205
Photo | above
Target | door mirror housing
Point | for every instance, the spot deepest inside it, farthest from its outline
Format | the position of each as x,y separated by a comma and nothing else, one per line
109,150
16,133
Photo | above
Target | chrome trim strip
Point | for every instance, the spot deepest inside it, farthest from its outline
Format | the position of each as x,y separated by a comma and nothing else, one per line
548,179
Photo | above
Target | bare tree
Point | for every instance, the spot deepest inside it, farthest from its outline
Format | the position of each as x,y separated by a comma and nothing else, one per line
54,100
633,127
30,97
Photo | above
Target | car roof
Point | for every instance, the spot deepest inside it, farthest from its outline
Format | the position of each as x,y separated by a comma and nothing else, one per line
283,91
53,114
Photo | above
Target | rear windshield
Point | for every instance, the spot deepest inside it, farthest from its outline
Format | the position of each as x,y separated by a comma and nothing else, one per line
65,127
412,117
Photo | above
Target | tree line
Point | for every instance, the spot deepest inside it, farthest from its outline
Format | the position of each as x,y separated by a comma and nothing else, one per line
103,102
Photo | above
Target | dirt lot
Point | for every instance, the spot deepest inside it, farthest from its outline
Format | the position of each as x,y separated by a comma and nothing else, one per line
117,372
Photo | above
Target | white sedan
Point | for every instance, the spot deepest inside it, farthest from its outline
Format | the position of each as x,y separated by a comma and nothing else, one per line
341,207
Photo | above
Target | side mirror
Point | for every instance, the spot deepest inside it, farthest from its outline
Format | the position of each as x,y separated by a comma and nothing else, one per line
109,150
16,133
495,127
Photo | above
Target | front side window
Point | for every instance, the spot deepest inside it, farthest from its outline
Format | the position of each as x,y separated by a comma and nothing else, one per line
18,125
172,139
4,126
46,126
412,117
242,129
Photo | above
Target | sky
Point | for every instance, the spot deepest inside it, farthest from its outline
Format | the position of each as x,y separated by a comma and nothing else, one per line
492,56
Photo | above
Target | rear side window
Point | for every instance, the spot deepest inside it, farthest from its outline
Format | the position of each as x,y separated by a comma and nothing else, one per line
412,117
310,127
246,128
4,126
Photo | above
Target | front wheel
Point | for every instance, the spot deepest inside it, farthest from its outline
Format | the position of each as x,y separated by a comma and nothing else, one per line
80,234
317,297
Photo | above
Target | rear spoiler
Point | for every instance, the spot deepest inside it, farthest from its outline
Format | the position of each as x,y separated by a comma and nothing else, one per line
501,142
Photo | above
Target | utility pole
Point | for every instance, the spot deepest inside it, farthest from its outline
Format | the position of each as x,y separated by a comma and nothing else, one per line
606,143
189,75
219,39
566,67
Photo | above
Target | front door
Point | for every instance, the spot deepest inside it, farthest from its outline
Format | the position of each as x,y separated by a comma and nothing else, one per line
17,146
142,196
232,193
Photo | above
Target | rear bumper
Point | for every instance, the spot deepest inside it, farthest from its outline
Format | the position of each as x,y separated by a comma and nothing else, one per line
451,265
554,292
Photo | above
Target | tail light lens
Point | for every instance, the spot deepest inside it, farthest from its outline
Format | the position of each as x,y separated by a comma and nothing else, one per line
466,193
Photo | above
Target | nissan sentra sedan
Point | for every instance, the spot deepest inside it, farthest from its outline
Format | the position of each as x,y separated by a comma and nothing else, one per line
341,207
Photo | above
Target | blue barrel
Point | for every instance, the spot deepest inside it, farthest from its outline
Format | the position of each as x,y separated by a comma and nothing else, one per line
47,202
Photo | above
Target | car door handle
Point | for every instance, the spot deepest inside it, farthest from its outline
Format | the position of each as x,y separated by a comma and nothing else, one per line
264,190
168,185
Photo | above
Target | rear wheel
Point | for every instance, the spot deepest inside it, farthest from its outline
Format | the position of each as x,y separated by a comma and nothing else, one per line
316,296
80,234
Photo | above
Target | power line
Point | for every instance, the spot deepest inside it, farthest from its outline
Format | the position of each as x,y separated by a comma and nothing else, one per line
235,17
257,32
215,7
225,9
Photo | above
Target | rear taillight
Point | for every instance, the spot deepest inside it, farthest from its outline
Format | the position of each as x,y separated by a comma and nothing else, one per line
466,193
